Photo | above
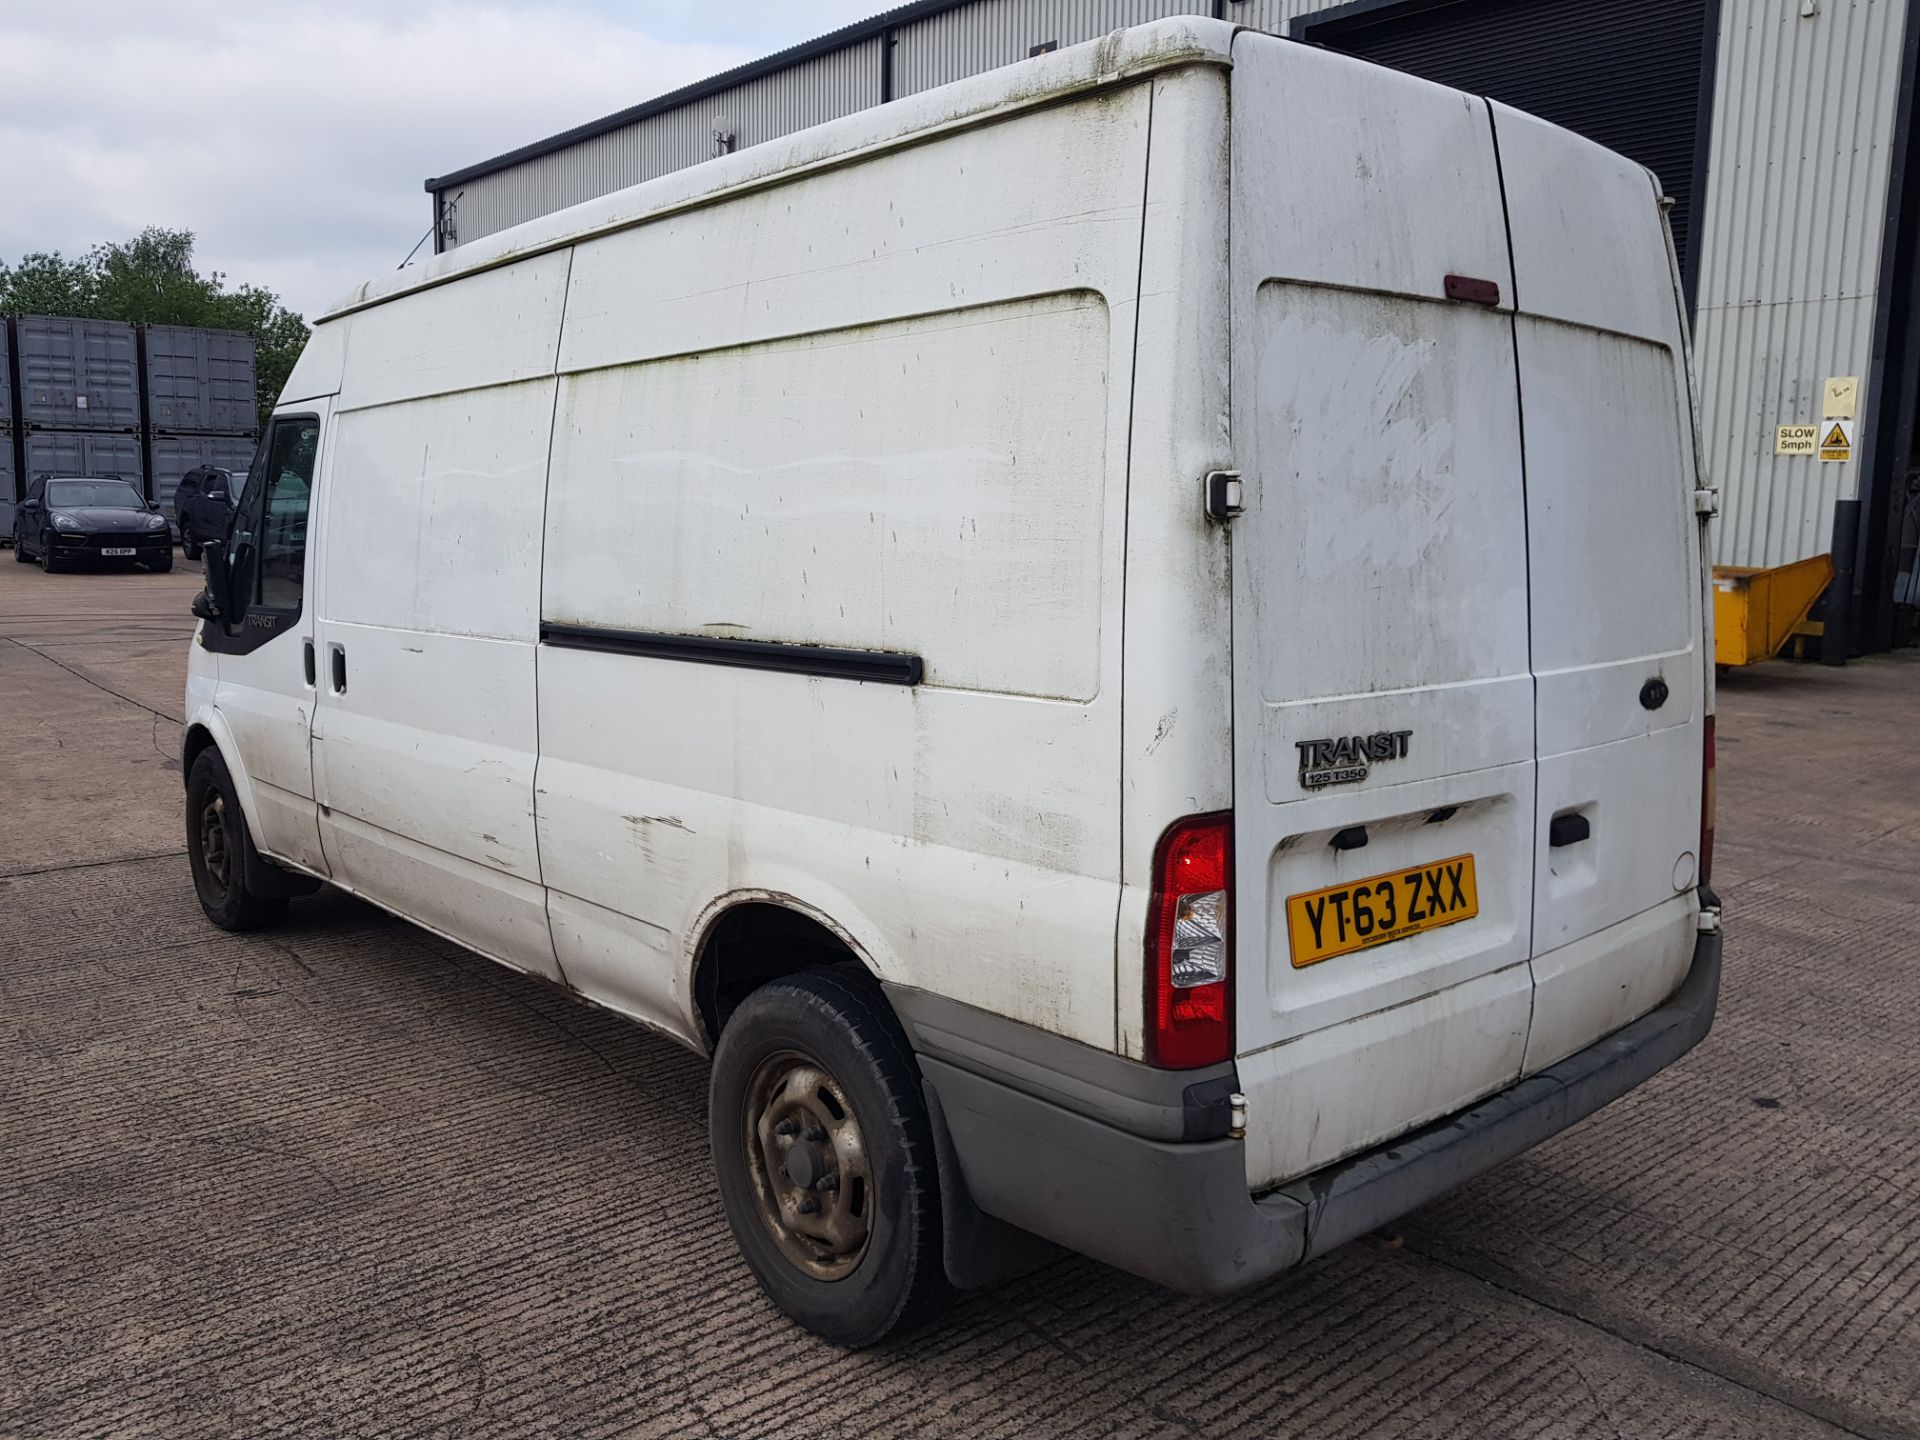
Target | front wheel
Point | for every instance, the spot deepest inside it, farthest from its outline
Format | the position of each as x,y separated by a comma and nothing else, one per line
163,564
48,565
217,848
189,547
824,1155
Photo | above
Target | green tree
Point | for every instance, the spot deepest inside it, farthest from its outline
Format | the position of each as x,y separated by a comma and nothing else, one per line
151,280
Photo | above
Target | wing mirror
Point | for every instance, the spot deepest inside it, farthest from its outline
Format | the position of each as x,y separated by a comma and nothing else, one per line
215,601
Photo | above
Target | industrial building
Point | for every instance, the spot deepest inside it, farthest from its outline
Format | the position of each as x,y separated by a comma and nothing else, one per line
1780,129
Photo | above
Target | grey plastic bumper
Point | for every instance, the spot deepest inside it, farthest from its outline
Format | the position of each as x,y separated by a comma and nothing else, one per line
1180,1214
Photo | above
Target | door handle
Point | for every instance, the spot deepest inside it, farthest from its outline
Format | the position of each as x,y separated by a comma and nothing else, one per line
1568,830
337,663
306,656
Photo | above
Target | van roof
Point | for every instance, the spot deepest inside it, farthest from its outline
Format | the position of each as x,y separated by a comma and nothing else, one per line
1123,55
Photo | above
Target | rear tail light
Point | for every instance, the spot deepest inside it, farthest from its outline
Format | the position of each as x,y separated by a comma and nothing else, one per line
1190,945
1709,803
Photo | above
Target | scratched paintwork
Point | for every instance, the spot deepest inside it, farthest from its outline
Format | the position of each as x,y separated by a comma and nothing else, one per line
1416,559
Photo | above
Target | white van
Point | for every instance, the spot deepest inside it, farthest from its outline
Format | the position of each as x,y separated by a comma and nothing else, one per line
1121,643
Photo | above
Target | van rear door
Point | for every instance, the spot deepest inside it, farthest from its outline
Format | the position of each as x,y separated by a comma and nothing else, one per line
1617,585
1384,785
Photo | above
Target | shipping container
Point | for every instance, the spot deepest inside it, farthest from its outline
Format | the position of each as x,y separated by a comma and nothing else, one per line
8,481
174,455
199,381
6,373
83,452
78,374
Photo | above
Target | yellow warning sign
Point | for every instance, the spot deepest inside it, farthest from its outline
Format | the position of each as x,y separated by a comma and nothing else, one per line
1837,443
1796,440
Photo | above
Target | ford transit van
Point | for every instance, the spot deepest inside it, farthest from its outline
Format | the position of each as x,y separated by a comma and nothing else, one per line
1121,643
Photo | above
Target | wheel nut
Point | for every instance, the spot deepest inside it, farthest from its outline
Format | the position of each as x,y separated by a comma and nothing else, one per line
787,1127
808,1205
827,1183
815,1134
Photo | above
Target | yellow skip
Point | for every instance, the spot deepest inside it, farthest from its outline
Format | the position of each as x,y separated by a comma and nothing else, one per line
1756,609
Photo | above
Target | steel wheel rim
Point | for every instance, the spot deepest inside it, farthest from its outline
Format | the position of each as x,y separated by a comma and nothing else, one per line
812,1180
214,857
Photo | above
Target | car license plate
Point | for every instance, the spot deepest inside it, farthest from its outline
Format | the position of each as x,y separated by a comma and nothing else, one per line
116,550
1380,909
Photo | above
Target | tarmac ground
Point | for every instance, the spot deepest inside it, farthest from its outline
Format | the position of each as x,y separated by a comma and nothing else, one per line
340,1177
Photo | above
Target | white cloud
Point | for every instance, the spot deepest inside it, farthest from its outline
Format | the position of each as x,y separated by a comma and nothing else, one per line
292,136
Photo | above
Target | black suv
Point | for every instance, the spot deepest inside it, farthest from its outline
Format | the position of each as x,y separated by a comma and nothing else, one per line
89,517
202,506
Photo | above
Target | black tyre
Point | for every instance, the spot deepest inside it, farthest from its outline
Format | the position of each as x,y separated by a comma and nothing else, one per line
163,564
48,564
20,546
218,847
824,1156
189,547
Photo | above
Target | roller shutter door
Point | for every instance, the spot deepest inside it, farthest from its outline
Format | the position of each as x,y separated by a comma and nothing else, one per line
1628,75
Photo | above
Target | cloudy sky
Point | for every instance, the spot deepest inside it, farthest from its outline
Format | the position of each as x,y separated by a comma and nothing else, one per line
292,136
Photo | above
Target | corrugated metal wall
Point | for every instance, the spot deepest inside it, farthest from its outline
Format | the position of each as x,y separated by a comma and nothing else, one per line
811,92
1791,236
944,48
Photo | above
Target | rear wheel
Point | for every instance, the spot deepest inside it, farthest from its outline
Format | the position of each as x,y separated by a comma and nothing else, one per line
20,546
824,1156
217,849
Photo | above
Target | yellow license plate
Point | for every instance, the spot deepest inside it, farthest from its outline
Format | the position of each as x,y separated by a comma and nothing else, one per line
1380,909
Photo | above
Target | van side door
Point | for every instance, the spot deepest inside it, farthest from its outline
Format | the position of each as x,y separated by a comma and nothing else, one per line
265,692
425,740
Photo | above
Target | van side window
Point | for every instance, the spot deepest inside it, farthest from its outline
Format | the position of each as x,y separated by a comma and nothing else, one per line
270,538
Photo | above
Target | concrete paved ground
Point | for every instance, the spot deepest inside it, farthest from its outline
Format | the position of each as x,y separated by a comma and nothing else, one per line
341,1178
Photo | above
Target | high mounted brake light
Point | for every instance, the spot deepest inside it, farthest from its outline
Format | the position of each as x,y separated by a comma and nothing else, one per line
1190,945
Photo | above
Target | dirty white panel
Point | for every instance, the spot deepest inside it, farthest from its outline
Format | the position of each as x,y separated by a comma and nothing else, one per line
1379,587
1339,1090
1391,184
435,512
1041,203
1588,245
434,739
499,916
934,486
1177,741
429,600
964,842
882,407
495,328
321,364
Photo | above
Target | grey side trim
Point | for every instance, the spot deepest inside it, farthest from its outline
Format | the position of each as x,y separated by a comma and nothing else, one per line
1111,1089
1178,1215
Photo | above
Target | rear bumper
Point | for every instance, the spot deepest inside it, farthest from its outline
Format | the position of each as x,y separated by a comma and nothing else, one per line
1179,1212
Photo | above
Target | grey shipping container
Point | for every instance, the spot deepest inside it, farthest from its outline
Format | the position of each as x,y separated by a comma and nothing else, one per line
6,482
199,381
6,378
83,452
78,374
174,455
